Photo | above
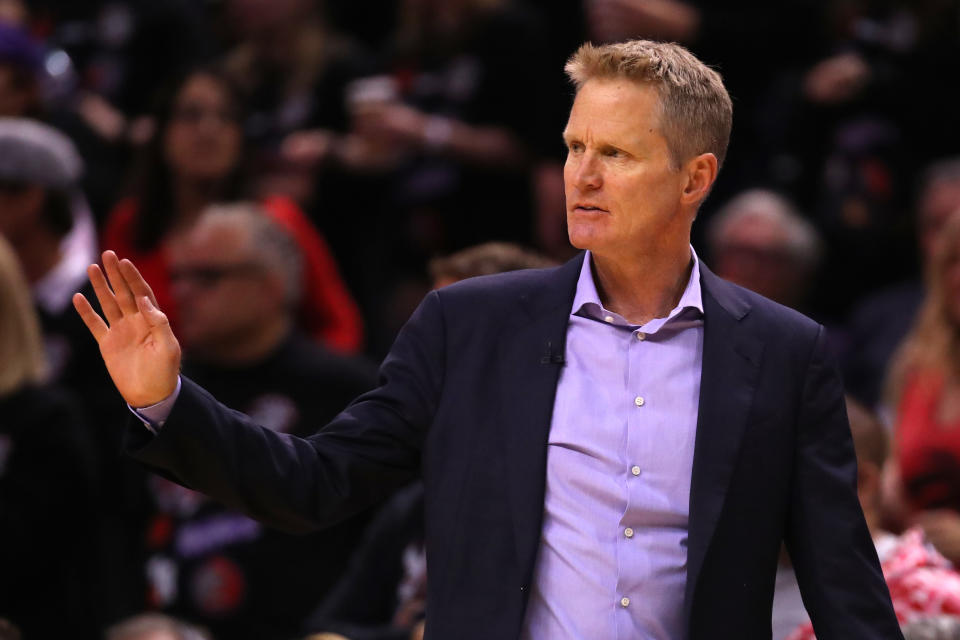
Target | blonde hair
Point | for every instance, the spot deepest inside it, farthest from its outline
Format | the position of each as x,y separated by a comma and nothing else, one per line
22,358
933,344
696,113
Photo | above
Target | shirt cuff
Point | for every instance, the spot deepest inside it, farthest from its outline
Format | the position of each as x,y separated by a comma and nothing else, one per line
155,415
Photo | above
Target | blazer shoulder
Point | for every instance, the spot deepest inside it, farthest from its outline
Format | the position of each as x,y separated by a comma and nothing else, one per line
762,316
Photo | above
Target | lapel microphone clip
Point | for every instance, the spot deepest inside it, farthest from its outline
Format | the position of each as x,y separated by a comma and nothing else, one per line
550,357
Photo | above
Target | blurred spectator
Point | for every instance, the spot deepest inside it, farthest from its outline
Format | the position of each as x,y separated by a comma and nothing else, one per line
383,594
759,241
879,323
922,582
48,544
236,280
44,216
924,388
195,158
154,626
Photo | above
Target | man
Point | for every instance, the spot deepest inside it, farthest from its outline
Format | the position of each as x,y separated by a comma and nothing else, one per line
236,279
612,448
759,241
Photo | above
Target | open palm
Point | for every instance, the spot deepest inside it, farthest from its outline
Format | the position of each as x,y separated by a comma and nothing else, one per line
136,342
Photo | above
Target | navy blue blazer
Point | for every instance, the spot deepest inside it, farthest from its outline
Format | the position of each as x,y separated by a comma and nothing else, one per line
465,399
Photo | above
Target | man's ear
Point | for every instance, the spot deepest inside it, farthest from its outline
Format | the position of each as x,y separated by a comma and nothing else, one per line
701,173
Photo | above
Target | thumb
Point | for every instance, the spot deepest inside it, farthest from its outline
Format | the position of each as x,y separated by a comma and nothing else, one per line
154,317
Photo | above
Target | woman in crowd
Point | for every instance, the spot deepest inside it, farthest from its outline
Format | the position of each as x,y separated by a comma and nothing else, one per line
925,390
48,538
196,158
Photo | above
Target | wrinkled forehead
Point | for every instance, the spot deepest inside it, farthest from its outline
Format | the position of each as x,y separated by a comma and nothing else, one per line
616,105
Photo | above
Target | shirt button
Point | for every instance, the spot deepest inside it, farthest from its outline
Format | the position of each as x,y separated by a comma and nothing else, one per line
628,532
641,336
638,401
624,601
635,470
608,319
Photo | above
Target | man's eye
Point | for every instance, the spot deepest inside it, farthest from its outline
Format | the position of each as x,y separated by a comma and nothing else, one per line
574,147
613,153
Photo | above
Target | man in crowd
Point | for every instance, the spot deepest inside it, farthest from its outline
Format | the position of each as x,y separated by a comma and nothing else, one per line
758,241
236,277
612,448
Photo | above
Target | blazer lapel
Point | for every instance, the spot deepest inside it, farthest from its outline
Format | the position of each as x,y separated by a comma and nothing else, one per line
531,356
731,359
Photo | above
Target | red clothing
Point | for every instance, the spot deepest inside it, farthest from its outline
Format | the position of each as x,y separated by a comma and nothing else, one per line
327,311
922,583
928,451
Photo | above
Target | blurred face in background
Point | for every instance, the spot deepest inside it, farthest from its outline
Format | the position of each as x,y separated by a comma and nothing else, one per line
224,291
203,139
754,252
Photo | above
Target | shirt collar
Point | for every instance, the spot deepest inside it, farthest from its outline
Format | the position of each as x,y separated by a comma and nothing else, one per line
587,303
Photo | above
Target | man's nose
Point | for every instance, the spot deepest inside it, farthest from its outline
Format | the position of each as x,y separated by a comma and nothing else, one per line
587,172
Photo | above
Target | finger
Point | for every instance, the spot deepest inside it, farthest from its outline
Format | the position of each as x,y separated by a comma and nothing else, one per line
155,318
108,302
91,318
120,287
138,285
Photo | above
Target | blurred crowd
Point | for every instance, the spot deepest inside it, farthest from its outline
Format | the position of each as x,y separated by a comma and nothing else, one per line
292,176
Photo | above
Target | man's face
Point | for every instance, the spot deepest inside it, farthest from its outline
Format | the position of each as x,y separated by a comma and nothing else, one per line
223,291
623,192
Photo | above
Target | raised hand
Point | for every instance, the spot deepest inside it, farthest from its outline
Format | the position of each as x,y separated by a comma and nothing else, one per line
136,342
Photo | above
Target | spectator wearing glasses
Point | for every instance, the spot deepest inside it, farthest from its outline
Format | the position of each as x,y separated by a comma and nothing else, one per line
236,280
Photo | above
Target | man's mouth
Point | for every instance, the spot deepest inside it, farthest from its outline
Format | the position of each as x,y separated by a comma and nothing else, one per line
588,207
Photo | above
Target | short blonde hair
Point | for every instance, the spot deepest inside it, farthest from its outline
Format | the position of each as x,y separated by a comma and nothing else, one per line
696,113
21,346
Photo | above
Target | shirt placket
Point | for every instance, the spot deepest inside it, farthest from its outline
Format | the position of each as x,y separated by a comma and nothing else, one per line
630,560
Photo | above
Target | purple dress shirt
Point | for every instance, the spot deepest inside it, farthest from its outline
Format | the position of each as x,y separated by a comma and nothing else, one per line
613,552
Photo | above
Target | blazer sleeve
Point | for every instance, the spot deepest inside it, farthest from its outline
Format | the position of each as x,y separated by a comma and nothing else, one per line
830,546
368,451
